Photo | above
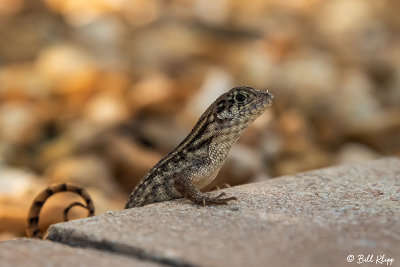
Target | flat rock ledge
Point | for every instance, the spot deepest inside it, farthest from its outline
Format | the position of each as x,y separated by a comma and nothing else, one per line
317,218
34,252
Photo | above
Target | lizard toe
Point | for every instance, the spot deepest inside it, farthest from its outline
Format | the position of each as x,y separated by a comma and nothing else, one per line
220,195
220,201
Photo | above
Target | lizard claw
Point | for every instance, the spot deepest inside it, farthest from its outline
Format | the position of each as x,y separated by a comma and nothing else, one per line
218,200
221,195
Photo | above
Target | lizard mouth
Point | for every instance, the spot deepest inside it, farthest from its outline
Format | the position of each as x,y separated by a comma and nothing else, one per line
266,102
269,97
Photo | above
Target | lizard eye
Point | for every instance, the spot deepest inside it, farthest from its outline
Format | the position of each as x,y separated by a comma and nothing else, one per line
240,98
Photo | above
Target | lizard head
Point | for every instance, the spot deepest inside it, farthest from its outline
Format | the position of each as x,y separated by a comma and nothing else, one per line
242,104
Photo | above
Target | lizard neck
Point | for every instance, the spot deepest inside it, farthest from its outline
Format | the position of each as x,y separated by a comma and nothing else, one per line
224,139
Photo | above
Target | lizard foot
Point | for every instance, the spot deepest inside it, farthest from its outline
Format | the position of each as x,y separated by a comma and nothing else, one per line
218,200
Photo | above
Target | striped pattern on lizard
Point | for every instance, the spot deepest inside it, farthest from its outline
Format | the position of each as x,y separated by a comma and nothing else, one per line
193,164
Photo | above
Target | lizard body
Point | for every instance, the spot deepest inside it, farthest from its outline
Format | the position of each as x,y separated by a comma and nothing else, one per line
195,162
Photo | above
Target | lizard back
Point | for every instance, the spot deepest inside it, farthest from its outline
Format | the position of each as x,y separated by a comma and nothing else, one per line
202,153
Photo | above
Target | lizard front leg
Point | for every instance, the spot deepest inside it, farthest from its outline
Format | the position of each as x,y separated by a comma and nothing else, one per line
184,186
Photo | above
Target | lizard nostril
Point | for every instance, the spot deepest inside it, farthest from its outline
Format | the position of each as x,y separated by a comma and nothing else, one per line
271,96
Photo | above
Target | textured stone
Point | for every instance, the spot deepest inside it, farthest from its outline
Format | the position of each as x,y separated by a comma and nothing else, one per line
316,218
33,252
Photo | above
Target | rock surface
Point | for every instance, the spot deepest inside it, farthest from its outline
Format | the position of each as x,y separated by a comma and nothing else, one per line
32,252
316,218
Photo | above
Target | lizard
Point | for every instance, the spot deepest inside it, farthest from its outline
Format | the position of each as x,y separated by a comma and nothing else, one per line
32,228
193,164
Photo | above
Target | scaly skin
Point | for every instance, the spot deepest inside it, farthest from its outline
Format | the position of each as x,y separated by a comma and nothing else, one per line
191,166
196,161
32,229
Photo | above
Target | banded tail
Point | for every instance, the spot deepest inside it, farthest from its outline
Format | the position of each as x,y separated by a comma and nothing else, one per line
32,228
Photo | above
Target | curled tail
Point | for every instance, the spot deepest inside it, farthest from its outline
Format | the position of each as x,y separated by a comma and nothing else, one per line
32,228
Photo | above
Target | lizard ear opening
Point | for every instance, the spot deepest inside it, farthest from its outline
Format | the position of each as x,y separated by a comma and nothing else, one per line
220,116
221,107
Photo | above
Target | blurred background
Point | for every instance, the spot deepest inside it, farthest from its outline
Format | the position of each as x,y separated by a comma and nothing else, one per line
95,92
